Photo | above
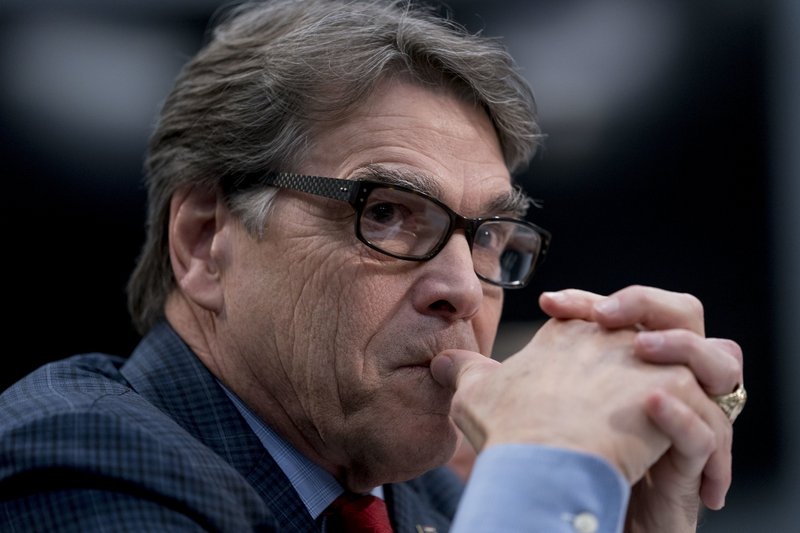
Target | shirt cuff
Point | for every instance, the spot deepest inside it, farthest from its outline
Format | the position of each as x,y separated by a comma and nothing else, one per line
528,487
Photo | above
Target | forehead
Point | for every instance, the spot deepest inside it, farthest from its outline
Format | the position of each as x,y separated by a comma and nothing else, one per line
440,143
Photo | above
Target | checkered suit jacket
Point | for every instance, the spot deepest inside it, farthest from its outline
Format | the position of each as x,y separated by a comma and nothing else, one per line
98,443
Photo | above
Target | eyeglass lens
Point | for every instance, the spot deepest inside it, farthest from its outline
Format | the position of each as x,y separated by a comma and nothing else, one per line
408,225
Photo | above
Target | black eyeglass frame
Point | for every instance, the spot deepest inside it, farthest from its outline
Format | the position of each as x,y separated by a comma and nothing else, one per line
355,192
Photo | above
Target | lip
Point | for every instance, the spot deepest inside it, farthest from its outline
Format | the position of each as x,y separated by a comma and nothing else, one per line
418,352
417,368
418,373
423,365
415,357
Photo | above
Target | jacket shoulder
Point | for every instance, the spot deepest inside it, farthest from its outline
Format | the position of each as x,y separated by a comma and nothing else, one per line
60,386
76,429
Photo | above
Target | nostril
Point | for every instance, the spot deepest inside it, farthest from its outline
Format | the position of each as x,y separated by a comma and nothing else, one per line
442,305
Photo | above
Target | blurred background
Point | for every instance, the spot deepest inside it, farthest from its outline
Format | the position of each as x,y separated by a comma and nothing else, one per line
672,160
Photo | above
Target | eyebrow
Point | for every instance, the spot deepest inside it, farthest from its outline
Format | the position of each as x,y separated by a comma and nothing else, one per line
413,179
513,202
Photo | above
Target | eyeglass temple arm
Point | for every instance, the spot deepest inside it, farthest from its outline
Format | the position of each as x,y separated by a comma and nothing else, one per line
336,189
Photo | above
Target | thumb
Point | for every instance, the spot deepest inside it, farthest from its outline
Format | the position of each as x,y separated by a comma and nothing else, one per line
454,369
462,372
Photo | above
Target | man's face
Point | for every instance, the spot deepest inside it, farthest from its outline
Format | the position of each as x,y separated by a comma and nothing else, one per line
330,340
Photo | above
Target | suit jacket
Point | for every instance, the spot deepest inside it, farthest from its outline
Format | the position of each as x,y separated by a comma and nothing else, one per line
98,443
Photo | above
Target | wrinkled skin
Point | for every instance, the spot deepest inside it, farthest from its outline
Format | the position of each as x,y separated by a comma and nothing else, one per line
355,357
329,341
601,385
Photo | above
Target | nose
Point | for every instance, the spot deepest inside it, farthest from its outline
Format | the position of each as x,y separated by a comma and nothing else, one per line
448,286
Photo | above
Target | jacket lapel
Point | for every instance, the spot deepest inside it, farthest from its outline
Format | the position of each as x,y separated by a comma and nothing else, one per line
426,504
164,371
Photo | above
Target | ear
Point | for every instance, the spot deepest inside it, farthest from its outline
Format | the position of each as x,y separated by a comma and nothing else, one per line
197,244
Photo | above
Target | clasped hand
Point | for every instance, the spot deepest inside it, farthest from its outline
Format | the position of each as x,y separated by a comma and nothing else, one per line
626,377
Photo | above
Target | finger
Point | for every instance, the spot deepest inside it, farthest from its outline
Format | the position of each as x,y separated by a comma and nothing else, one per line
730,347
688,427
691,437
454,369
718,474
712,361
717,365
650,308
693,443
569,304
462,371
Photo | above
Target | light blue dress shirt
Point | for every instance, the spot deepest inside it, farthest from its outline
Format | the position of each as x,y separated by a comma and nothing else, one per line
527,487
512,488
315,485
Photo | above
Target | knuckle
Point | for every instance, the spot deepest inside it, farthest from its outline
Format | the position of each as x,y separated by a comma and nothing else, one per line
701,439
694,304
738,354
728,369
630,288
733,372
635,292
708,442
683,378
733,349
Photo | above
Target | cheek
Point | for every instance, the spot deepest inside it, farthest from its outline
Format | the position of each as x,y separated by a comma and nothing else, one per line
365,292
340,308
487,319
286,301
364,311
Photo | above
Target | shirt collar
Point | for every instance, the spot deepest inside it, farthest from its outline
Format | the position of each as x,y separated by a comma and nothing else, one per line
315,485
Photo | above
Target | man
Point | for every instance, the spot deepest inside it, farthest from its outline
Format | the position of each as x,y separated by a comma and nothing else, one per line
331,228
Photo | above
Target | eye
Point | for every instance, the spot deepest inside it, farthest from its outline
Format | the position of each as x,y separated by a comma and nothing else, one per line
402,222
386,213
491,237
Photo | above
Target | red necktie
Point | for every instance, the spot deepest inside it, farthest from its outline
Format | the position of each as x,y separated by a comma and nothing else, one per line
355,513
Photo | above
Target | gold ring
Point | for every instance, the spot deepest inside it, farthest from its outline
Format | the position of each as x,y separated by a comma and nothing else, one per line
733,403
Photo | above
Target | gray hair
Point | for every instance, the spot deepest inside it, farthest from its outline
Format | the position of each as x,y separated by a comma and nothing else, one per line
273,73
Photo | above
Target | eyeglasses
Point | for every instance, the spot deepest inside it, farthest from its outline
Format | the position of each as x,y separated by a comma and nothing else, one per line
407,224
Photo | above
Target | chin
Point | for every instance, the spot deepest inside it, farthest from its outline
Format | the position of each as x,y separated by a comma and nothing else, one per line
406,451
425,447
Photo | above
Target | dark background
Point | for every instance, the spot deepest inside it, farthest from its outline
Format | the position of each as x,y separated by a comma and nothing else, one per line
659,169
